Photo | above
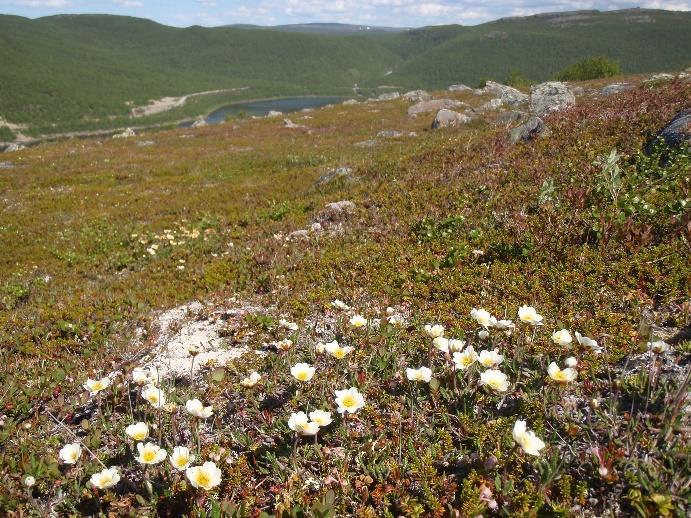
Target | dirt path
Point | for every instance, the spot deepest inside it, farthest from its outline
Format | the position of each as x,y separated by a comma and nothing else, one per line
168,103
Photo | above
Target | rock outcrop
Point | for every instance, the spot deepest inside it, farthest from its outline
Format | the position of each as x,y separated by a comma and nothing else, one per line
417,95
335,212
333,174
274,113
199,123
675,134
459,88
508,94
389,96
448,119
129,132
550,97
14,147
492,104
615,88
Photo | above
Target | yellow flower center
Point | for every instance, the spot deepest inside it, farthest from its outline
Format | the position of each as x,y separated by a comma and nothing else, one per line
148,456
302,376
560,376
98,386
203,479
339,354
348,401
181,461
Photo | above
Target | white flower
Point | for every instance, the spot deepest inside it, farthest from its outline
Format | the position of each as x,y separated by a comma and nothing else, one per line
571,361
197,409
108,477
588,342
251,380
302,371
299,423
465,359
320,348
441,343
526,439
29,481
395,320
421,374
284,345
483,334
390,311
207,476
490,358
140,375
138,431
494,379
504,324
658,346
562,337
483,317
150,453
96,386
320,417
339,304
193,350
434,331
349,400
181,458
337,351
70,453
563,376
291,326
456,345
358,321
154,396
528,315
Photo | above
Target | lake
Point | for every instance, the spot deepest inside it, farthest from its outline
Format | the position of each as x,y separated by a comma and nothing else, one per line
262,108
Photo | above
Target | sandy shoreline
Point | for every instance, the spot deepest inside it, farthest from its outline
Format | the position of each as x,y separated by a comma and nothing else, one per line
165,104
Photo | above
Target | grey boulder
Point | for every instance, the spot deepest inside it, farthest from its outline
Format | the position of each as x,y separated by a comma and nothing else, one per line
532,128
550,97
434,105
448,119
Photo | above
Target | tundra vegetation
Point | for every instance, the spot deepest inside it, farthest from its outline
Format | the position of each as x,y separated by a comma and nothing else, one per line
487,329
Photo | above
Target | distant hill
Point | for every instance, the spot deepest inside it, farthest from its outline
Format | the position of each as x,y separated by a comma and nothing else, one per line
70,71
325,28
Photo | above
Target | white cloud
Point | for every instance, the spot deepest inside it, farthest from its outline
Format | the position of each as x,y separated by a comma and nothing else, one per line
207,3
128,3
44,3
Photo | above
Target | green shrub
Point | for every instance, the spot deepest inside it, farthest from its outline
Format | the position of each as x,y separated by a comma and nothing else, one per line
6,134
590,68
517,79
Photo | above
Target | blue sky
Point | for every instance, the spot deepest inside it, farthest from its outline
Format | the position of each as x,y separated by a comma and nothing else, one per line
400,13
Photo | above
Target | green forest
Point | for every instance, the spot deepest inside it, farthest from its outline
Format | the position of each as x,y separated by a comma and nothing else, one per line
71,72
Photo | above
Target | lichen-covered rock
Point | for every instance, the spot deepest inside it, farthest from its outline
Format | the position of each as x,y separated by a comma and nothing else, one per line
550,97
333,174
459,88
615,88
532,128
129,132
492,104
508,94
417,95
199,123
389,96
448,119
336,211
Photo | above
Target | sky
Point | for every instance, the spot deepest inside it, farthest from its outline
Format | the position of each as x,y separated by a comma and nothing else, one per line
394,13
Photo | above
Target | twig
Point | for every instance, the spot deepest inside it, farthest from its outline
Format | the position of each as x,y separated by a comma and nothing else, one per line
62,425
